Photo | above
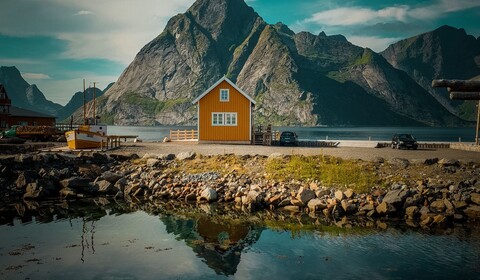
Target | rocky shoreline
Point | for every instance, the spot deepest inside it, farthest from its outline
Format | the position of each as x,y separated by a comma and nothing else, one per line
437,192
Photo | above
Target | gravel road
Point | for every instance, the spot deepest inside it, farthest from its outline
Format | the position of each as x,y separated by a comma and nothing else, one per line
342,152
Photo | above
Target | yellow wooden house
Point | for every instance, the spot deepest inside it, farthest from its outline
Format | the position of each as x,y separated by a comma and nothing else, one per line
224,114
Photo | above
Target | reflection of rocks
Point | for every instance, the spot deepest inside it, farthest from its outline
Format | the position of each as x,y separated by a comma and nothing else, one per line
219,242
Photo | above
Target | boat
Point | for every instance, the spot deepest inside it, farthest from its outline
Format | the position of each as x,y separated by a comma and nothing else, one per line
90,135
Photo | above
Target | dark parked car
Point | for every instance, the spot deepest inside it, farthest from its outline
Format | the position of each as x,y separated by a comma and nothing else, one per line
404,141
288,137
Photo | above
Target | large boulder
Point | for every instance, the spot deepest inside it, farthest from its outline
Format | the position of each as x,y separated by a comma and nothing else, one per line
111,176
209,194
396,196
305,195
186,155
316,204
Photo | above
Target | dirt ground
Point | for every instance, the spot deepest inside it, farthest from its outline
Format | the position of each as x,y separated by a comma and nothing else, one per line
363,153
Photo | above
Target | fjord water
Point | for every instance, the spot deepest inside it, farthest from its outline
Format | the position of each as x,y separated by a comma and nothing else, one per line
430,134
104,243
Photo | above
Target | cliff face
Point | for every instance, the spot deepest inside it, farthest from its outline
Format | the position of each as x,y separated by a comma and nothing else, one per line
23,94
447,53
296,79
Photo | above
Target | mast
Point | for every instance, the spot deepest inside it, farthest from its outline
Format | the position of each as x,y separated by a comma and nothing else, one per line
94,104
84,109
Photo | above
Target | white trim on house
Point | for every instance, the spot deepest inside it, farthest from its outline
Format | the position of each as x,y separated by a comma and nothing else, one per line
227,99
224,78
198,121
220,118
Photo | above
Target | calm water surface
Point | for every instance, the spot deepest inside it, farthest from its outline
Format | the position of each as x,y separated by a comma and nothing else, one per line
103,243
464,134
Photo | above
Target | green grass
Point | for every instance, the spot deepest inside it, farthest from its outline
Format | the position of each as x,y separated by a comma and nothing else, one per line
330,171
366,58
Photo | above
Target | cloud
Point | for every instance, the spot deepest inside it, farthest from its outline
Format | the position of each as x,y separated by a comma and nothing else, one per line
117,32
83,13
348,16
36,76
358,15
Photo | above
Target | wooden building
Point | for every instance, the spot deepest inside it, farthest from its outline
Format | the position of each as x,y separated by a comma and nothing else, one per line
224,114
11,115
5,104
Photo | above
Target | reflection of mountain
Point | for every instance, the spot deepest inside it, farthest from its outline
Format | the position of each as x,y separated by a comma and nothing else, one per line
220,244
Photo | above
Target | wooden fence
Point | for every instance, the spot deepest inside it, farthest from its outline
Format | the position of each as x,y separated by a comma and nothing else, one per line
183,135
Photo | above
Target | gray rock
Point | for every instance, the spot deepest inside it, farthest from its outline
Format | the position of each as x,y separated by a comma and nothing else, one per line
209,194
104,187
430,161
385,208
120,184
348,207
166,156
190,197
254,197
472,211
400,162
339,195
437,206
186,155
305,195
475,198
152,162
25,178
449,162
316,204
411,211
75,183
111,176
34,191
396,196
276,156
349,193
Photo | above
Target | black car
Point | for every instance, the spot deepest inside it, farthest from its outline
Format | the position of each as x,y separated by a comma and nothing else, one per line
288,137
404,141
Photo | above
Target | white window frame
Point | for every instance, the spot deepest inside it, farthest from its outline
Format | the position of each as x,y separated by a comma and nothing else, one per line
224,119
227,91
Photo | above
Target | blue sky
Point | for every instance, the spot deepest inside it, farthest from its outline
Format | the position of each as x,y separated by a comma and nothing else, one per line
57,43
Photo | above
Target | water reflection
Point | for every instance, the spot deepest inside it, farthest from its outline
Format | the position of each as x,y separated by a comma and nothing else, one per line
218,243
99,239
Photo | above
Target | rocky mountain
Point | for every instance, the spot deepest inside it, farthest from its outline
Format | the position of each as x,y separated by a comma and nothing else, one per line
447,53
23,94
296,78
77,101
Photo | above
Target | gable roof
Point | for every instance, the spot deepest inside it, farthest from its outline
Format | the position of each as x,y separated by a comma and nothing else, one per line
216,84
20,112
3,90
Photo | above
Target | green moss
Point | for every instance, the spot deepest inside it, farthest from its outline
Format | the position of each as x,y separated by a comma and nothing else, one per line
339,76
366,58
151,106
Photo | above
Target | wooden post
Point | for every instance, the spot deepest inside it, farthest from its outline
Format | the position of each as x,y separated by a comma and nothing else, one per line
458,85
478,124
455,95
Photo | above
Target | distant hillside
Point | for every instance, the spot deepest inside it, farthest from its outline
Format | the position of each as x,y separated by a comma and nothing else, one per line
77,102
296,78
447,53
23,94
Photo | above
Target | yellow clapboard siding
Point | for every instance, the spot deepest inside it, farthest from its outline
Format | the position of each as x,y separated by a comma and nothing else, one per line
237,104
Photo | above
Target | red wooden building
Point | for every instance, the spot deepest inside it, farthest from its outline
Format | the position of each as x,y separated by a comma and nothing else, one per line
11,115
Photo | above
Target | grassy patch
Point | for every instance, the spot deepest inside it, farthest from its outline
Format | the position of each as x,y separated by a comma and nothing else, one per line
330,171
366,58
